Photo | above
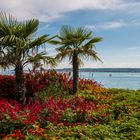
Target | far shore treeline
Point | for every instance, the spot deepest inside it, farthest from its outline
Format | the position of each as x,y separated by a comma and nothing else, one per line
121,70
103,69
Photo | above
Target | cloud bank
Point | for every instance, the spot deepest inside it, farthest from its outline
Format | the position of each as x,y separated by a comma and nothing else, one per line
50,10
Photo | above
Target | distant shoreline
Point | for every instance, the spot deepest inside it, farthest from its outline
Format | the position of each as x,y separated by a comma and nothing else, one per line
125,70
103,69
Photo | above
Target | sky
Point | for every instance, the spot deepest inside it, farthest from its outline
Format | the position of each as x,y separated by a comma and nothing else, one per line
116,21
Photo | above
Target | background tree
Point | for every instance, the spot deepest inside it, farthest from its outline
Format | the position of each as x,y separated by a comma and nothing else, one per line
17,42
76,44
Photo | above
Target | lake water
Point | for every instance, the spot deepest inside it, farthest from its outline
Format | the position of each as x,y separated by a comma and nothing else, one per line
127,80
114,79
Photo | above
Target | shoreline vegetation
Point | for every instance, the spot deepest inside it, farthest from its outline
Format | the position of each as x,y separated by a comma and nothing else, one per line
47,105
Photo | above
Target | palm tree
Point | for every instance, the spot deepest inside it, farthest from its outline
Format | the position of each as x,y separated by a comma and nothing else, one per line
76,44
17,42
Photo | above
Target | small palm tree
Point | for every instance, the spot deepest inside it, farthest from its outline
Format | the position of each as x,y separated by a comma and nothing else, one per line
76,44
17,42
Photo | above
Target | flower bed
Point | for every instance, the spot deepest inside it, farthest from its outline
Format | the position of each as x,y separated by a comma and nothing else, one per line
95,112
112,114
51,82
102,115
69,112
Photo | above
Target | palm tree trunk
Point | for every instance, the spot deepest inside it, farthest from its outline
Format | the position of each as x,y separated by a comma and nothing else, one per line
20,83
75,72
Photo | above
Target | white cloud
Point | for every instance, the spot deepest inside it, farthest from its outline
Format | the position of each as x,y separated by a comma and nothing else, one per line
48,10
132,6
112,25
44,27
136,22
107,25
115,25
134,48
137,55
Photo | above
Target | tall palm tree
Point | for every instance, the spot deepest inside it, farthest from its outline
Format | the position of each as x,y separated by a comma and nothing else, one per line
17,42
76,44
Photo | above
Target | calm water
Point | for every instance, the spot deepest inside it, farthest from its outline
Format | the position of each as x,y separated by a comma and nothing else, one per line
114,79
110,80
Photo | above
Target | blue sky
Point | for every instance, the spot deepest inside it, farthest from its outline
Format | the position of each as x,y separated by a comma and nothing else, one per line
116,21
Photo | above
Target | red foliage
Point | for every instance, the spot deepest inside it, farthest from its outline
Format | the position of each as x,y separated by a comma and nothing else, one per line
52,111
41,80
17,134
7,85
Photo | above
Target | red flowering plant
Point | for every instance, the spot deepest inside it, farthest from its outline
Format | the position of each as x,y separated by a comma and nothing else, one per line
7,86
56,110
91,86
48,83
84,108
35,82
15,116
8,115
51,83
17,134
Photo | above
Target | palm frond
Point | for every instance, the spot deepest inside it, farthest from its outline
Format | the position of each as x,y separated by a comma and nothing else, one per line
29,28
66,31
93,41
47,60
8,25
54,42
92,54
38,42
62,54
